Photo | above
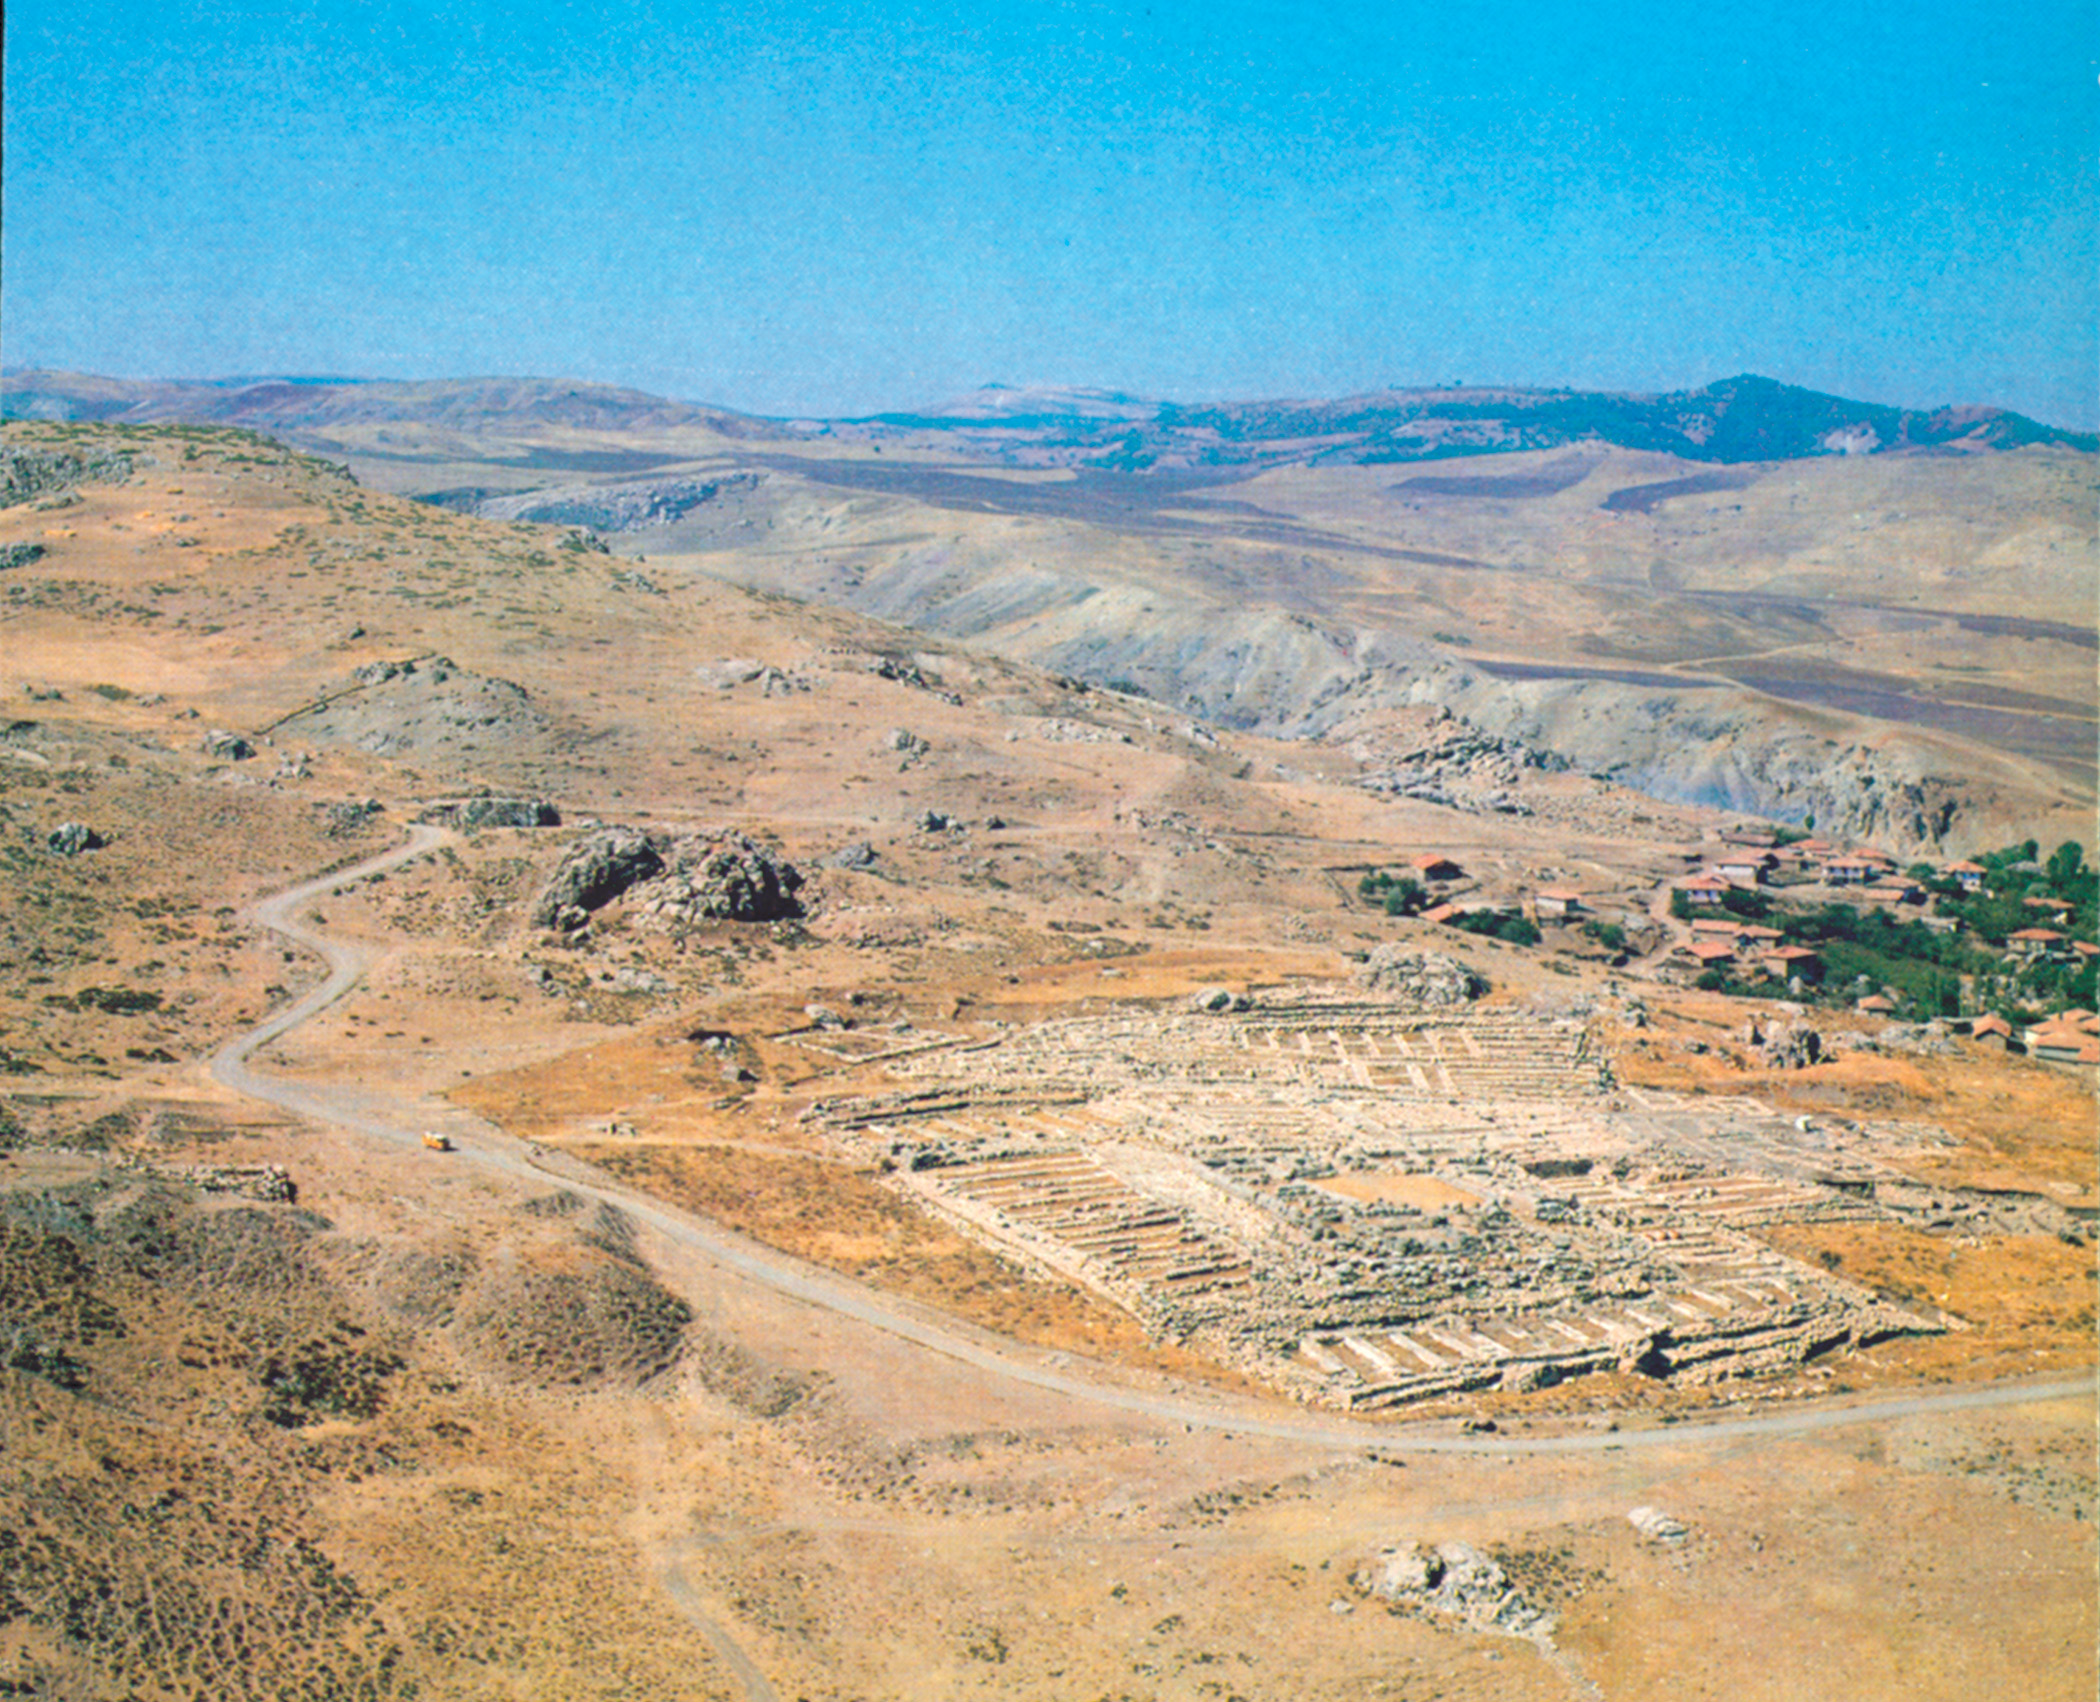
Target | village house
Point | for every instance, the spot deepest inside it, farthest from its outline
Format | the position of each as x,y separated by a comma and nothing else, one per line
2065,1039
1433,866
1941,924
1710,954
2036,942
2056,909
1705,887
1967,876
1894,890
1849,870
1443,914
1743,869
1788,962
1992,1030
1556,902
1877,1004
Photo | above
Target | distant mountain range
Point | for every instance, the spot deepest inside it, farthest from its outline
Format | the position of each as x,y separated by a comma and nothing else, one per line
1736,420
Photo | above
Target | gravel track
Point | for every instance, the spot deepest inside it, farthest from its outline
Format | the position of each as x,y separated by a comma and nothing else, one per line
347,962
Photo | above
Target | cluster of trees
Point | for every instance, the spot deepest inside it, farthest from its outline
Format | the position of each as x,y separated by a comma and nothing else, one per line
1401,895
2014,875
1928,966
1499,925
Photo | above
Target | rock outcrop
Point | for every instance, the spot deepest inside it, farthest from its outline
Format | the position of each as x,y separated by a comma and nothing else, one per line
1785,1046
29,473
672,882
424,706
472,814
599,867
1421,977
1455,1580
228,747
726,879
71,838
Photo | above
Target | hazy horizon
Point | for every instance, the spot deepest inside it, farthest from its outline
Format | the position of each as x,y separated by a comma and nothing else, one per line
843,210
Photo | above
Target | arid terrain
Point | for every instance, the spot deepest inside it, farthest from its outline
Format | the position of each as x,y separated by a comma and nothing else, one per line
1748,596
811,1094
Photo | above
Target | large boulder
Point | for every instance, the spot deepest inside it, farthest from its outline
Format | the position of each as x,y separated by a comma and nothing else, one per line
71,838
671,882
599,867
1421,977
725,878
1789,1046
229,747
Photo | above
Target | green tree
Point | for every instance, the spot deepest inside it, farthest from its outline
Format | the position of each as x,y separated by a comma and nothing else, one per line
1404,897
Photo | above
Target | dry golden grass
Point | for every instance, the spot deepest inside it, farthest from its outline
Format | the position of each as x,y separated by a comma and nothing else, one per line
843,1219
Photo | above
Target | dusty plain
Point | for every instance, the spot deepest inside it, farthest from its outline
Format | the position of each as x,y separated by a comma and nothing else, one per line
663,1381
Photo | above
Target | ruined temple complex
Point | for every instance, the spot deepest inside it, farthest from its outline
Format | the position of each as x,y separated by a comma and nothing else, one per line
1370,1203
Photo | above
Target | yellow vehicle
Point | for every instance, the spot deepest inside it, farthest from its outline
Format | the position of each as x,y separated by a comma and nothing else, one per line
437,1142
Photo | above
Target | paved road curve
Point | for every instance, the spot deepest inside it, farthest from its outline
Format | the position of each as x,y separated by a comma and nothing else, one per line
348,961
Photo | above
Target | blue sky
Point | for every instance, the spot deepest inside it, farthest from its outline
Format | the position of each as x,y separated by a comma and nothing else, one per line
836,208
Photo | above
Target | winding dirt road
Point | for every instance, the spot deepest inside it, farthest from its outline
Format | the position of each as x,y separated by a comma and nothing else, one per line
347,962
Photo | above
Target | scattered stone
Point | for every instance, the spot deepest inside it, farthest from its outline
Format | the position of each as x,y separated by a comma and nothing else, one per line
228,747
823,1016
911,674
473,814
934,821
28,473
1423,978
626,979
71,838
1790,1046
351,817
1656,1525
1219,1000
1456,1580
743,671
859,855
